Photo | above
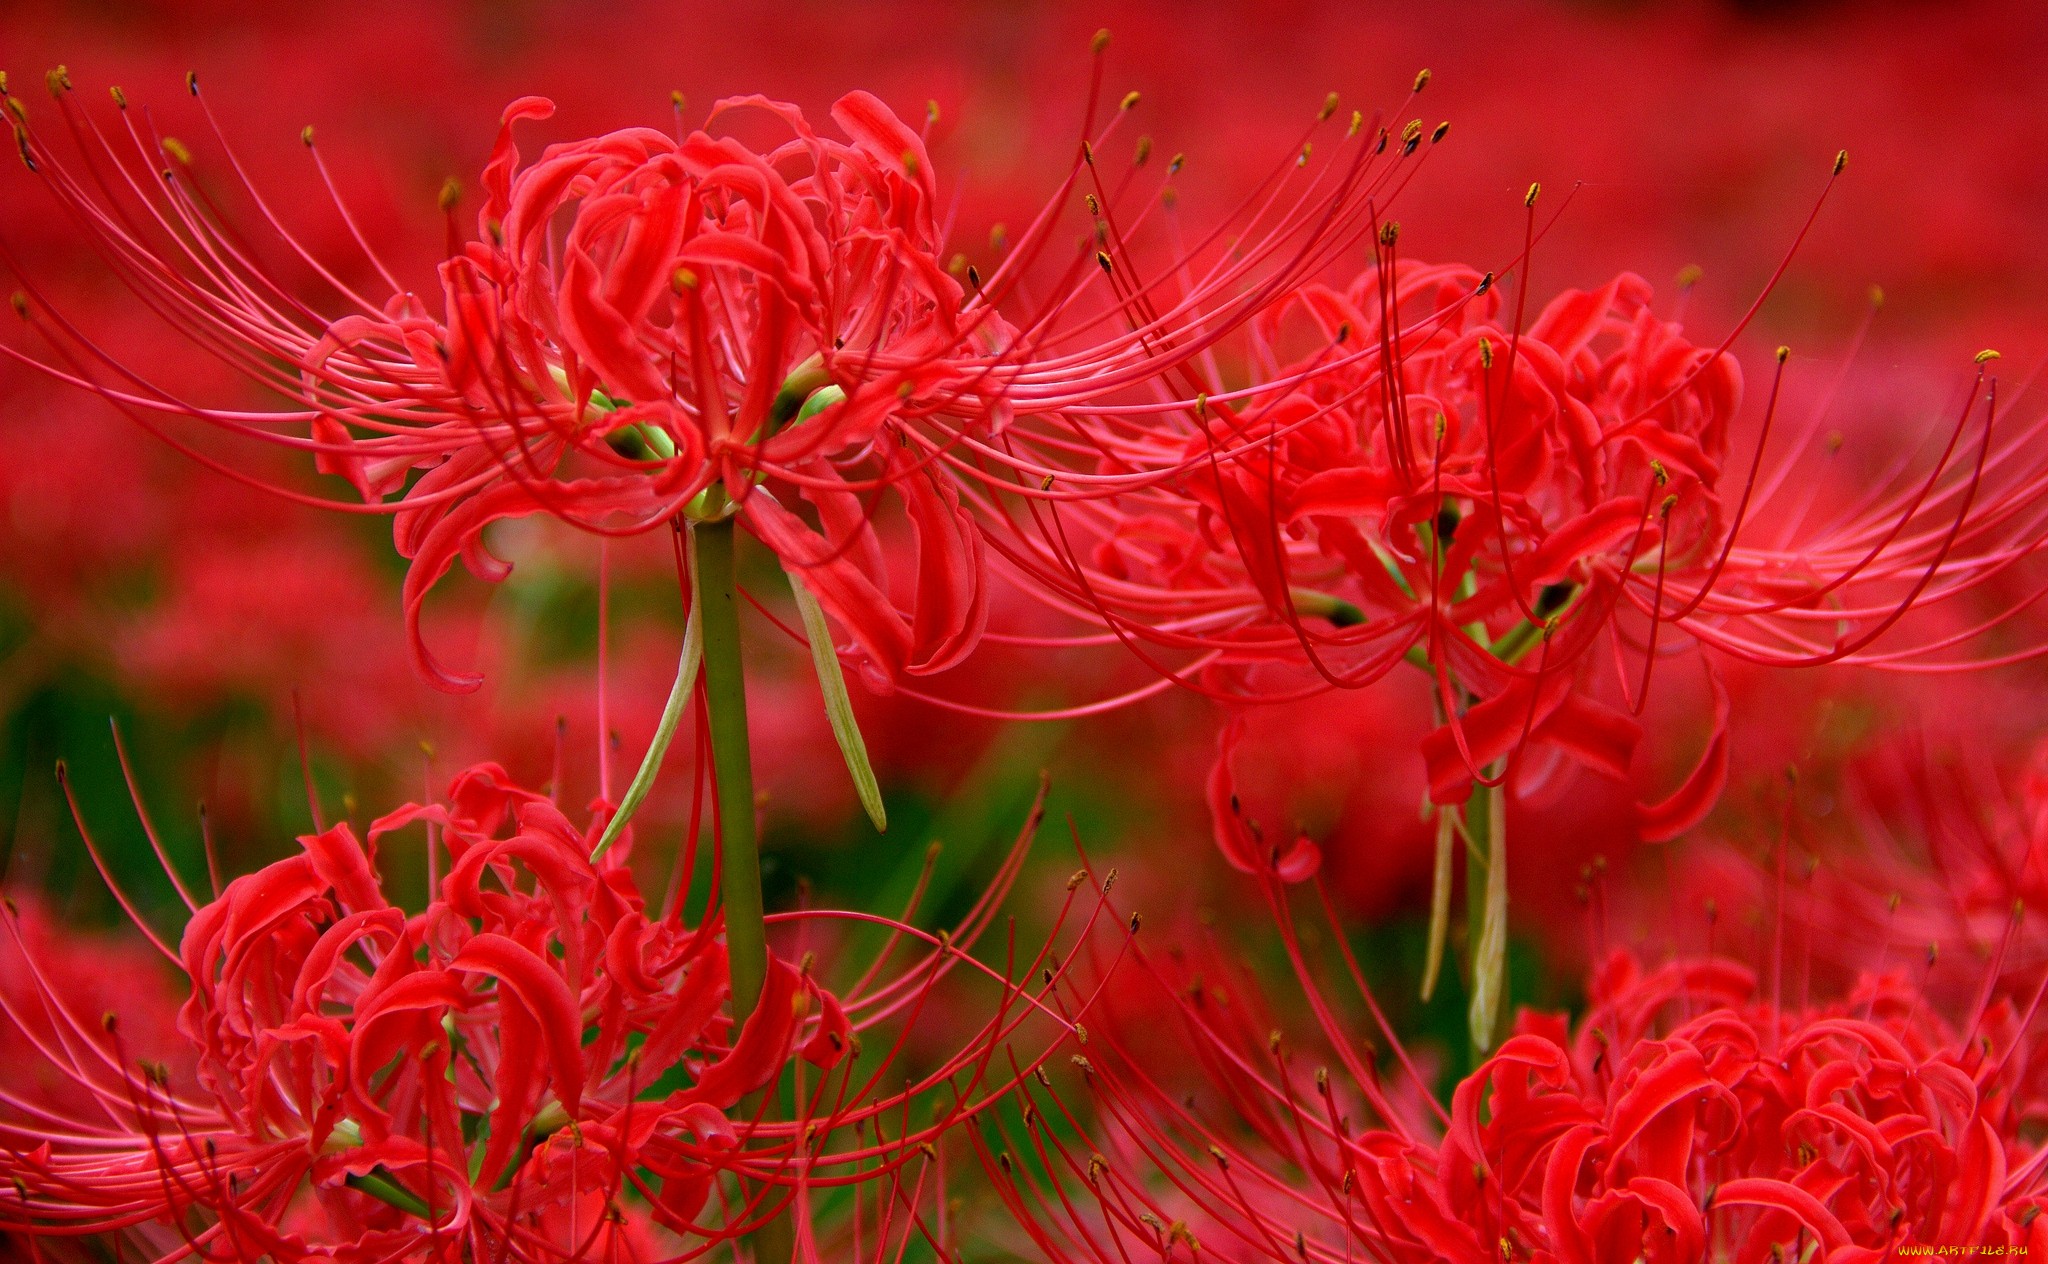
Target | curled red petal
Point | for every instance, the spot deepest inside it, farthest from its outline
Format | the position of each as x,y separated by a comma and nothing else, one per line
535,985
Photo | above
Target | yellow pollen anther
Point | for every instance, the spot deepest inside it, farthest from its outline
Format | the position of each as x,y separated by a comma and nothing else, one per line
1130,101
120,97
1357,121
1530,198
684,279
1784,354
1142,152
1101,41
931,111
1443,129
192,82
1421,80
176,149
676,99
1689,276
306,135
1986,354
1329,107
451,193
1841,161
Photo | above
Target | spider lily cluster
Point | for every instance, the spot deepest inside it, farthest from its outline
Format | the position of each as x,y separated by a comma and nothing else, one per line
1223,450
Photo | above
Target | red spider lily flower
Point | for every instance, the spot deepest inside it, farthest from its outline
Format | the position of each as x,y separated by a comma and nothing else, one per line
1687,1118
646,328
1439,481
1422,474
537,1066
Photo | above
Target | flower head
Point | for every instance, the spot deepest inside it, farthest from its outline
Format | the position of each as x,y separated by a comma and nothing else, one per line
1422,473
647,328
535,1066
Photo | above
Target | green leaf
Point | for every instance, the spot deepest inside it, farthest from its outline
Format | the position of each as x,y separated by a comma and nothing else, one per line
664,733
838,707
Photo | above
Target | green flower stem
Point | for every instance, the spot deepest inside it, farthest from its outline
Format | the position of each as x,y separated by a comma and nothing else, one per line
725,692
